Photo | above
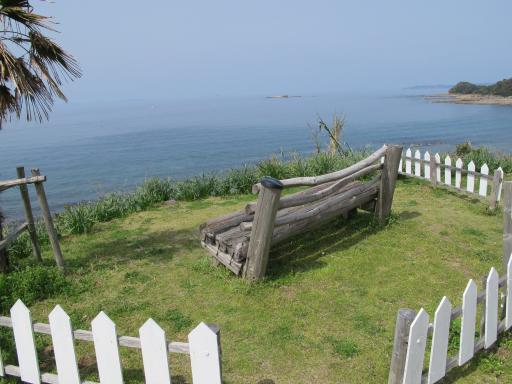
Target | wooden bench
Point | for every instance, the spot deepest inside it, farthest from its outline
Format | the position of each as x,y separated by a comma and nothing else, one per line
242,240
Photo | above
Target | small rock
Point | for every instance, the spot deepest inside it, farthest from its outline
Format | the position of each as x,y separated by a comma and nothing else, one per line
170,202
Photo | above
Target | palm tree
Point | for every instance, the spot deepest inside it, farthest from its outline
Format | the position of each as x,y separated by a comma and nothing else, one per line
32,65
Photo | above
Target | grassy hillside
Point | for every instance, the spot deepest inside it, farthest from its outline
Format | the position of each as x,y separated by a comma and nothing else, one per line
325,314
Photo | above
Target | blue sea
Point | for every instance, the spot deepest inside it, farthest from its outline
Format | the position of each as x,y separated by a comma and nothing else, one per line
89,149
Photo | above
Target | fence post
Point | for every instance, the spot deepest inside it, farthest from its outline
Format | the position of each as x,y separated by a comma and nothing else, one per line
29,217
404,319
4,257
205,352
507,222
388,182
47,217
263,228
495,189
433,171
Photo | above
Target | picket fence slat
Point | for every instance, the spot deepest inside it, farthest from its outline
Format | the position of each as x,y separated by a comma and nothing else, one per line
63,345
400,166
448,170
500,186
204,355
154,353
484,171
203,348
458,172
508,309
439,350
426,168
417,163
25,345
416,348
438,167
2,374
491,309
107,351
468,320
471,177
408,168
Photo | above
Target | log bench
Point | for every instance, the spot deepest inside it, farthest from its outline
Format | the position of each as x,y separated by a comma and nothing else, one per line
242,240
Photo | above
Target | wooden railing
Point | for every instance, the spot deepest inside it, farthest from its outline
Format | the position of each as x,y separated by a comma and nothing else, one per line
21,182
277,218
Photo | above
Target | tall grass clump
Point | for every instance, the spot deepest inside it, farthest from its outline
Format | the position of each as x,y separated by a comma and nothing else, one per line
484,155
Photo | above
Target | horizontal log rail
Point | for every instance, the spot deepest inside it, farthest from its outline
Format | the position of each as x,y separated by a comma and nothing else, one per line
316,180
302,198
13,236
321,205
24,181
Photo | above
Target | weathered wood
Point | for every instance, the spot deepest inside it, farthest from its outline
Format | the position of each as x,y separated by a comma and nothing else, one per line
329,203
21,181
494,197
315,180
48,221
507,222
404,319
219,224
284,232
12,236
263,227
250,208
29,217
4,257
304,197
223,258
387,182
433,172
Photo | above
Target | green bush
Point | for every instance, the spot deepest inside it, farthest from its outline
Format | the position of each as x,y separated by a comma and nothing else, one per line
501,88
30,284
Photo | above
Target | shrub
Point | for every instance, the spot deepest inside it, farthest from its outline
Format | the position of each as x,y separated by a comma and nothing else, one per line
30,284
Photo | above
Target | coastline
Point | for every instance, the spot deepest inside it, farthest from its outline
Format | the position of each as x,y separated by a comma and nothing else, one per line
469,99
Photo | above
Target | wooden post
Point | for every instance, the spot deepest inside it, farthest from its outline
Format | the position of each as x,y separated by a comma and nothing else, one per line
29,217
404,319
495,189
433,171
387,182
4,257
47,217
262,228
507,223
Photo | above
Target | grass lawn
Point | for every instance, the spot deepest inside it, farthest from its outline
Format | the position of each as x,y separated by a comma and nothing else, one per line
326,312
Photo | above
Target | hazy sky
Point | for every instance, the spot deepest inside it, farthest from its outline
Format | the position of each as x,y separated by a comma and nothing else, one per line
192,48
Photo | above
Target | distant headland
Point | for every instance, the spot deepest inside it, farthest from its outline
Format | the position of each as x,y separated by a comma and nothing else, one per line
499,93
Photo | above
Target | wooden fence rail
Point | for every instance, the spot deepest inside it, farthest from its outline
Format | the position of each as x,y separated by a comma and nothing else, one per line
450,174
203,347
21,182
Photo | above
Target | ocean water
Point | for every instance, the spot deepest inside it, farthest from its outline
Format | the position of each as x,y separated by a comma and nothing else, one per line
87,150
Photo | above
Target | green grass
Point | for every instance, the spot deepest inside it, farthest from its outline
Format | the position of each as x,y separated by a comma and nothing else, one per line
326,312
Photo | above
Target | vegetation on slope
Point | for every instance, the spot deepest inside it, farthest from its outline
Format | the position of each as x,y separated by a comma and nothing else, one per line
326,312
501,88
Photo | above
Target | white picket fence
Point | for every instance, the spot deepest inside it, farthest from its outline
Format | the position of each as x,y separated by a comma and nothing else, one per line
203,348
451,175
491,325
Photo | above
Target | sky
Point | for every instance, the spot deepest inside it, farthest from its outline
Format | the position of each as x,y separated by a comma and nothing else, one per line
168,49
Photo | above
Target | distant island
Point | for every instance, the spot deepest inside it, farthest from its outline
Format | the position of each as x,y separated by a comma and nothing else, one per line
464,92
281,97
